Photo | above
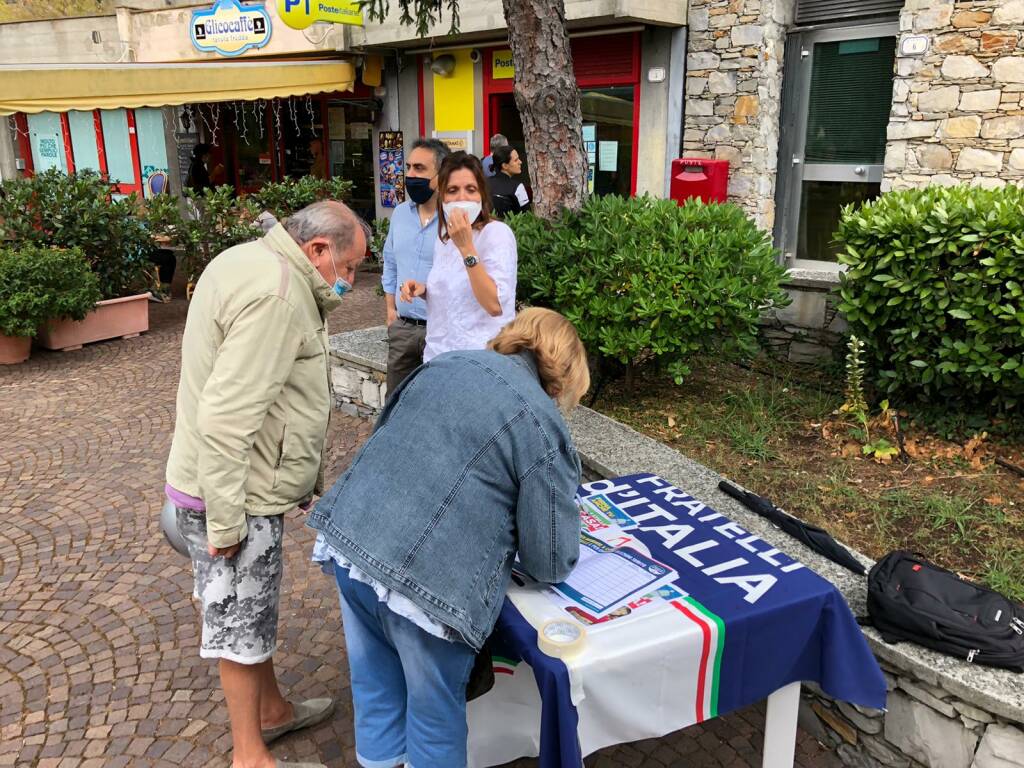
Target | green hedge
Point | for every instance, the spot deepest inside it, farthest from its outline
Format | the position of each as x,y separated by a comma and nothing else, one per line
77,211
38,284
648,281
934,288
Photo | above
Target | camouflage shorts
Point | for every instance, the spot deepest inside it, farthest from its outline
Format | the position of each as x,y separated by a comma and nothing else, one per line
239,596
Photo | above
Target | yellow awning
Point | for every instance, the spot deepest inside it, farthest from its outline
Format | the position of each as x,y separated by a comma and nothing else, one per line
60,88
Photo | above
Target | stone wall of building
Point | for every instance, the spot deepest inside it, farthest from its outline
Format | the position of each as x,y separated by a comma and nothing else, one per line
958,111
734,92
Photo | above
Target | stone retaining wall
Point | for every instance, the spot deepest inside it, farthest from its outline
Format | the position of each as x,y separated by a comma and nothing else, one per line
810,330
958,111
942,712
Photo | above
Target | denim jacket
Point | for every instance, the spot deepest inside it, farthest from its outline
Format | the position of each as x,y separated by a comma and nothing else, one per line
470,463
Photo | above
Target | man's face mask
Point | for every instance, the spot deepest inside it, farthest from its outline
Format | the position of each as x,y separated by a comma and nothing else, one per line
418,189
340,287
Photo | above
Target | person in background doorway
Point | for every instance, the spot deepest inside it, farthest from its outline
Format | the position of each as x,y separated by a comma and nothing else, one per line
471,289
318,168
408,255
198,172
508,193
423,556
497,140
200,176
252,411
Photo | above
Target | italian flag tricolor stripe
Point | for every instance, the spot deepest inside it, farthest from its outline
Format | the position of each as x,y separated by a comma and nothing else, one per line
503,666
713,633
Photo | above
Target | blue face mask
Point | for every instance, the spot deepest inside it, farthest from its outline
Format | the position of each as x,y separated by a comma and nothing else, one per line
340,287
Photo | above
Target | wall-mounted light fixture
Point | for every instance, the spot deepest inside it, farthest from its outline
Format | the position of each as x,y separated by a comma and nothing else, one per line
443,65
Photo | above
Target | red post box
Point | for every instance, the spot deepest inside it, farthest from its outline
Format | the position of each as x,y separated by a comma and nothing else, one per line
699,177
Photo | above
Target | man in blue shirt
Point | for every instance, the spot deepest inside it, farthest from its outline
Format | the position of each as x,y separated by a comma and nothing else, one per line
408,255
497,140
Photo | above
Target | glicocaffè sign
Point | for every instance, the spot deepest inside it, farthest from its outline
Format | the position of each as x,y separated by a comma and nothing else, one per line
229,28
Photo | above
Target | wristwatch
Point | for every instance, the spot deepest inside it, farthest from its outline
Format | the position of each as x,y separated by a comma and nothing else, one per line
471,261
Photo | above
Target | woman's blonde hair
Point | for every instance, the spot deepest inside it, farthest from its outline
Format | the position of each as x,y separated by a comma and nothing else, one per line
560,355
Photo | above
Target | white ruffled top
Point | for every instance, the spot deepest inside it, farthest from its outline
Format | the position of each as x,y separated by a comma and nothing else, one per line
326,556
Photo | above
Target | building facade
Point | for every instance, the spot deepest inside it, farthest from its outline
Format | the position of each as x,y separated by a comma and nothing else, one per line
818,104
814,103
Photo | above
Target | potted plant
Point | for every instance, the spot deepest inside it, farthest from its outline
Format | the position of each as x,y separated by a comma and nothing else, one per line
79,211
38,284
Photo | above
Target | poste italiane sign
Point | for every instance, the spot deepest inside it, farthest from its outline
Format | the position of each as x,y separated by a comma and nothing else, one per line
502,66
299,14
229,28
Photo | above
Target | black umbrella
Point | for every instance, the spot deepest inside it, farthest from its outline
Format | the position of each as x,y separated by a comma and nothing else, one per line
814,537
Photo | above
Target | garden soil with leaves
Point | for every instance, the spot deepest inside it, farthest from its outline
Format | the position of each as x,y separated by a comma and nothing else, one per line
779,432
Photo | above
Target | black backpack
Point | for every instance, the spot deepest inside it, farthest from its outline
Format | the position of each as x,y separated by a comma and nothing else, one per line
912,599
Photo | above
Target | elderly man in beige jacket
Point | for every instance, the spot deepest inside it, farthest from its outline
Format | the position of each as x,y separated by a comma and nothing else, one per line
253,404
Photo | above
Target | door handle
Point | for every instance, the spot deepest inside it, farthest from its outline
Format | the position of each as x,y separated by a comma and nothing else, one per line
859,170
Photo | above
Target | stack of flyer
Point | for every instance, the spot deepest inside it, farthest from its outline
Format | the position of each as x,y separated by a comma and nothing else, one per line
614,577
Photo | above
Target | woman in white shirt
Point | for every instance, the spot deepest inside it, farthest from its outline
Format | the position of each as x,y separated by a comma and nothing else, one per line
471,289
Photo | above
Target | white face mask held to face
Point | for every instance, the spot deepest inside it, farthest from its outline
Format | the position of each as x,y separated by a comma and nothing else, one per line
471,207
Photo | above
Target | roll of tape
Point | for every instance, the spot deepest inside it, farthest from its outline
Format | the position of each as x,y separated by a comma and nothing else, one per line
561,638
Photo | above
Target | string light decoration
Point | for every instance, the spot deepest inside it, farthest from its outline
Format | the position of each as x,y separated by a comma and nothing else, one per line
244,136
215,108
277,119
13,122
293,111
312,116
209,129
260,108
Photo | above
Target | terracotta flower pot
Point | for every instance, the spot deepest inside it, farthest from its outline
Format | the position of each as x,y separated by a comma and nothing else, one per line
14,349
114,318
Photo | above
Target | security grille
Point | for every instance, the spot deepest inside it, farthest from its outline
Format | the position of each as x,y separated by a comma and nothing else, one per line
823,11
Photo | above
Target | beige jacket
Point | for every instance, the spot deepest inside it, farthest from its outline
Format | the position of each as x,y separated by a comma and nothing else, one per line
254,397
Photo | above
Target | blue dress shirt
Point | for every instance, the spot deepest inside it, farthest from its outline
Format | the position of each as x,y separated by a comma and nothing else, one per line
408,255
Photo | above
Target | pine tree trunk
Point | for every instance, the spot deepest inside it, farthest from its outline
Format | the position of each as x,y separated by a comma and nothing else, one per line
549,104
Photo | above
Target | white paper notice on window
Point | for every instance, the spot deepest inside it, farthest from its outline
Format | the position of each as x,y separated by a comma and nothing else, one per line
608,156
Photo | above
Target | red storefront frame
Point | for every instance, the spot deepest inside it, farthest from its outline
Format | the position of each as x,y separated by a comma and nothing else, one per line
123,188
600,61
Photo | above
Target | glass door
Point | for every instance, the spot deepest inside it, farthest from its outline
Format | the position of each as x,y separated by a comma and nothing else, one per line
837,104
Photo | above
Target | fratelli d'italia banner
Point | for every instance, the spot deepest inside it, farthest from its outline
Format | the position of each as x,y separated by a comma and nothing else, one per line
736,620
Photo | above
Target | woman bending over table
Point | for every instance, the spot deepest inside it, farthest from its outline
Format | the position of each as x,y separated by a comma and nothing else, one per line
423,557
471,289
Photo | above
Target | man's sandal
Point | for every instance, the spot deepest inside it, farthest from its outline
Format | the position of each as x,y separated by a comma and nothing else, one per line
307,713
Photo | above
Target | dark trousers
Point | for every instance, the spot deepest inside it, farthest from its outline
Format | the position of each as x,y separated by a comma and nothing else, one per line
405,351
165,263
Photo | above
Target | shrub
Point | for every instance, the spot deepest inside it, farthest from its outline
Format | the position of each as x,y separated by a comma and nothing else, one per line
78,211
645,280
216,220
934,288
286,197
38,284
379,236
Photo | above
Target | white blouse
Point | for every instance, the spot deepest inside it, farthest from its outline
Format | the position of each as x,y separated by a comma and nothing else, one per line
455,319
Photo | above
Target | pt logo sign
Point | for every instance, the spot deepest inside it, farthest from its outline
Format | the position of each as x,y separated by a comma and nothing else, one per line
299,14
229,28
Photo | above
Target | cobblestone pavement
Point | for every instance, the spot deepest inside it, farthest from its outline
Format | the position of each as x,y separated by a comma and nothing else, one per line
98,633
